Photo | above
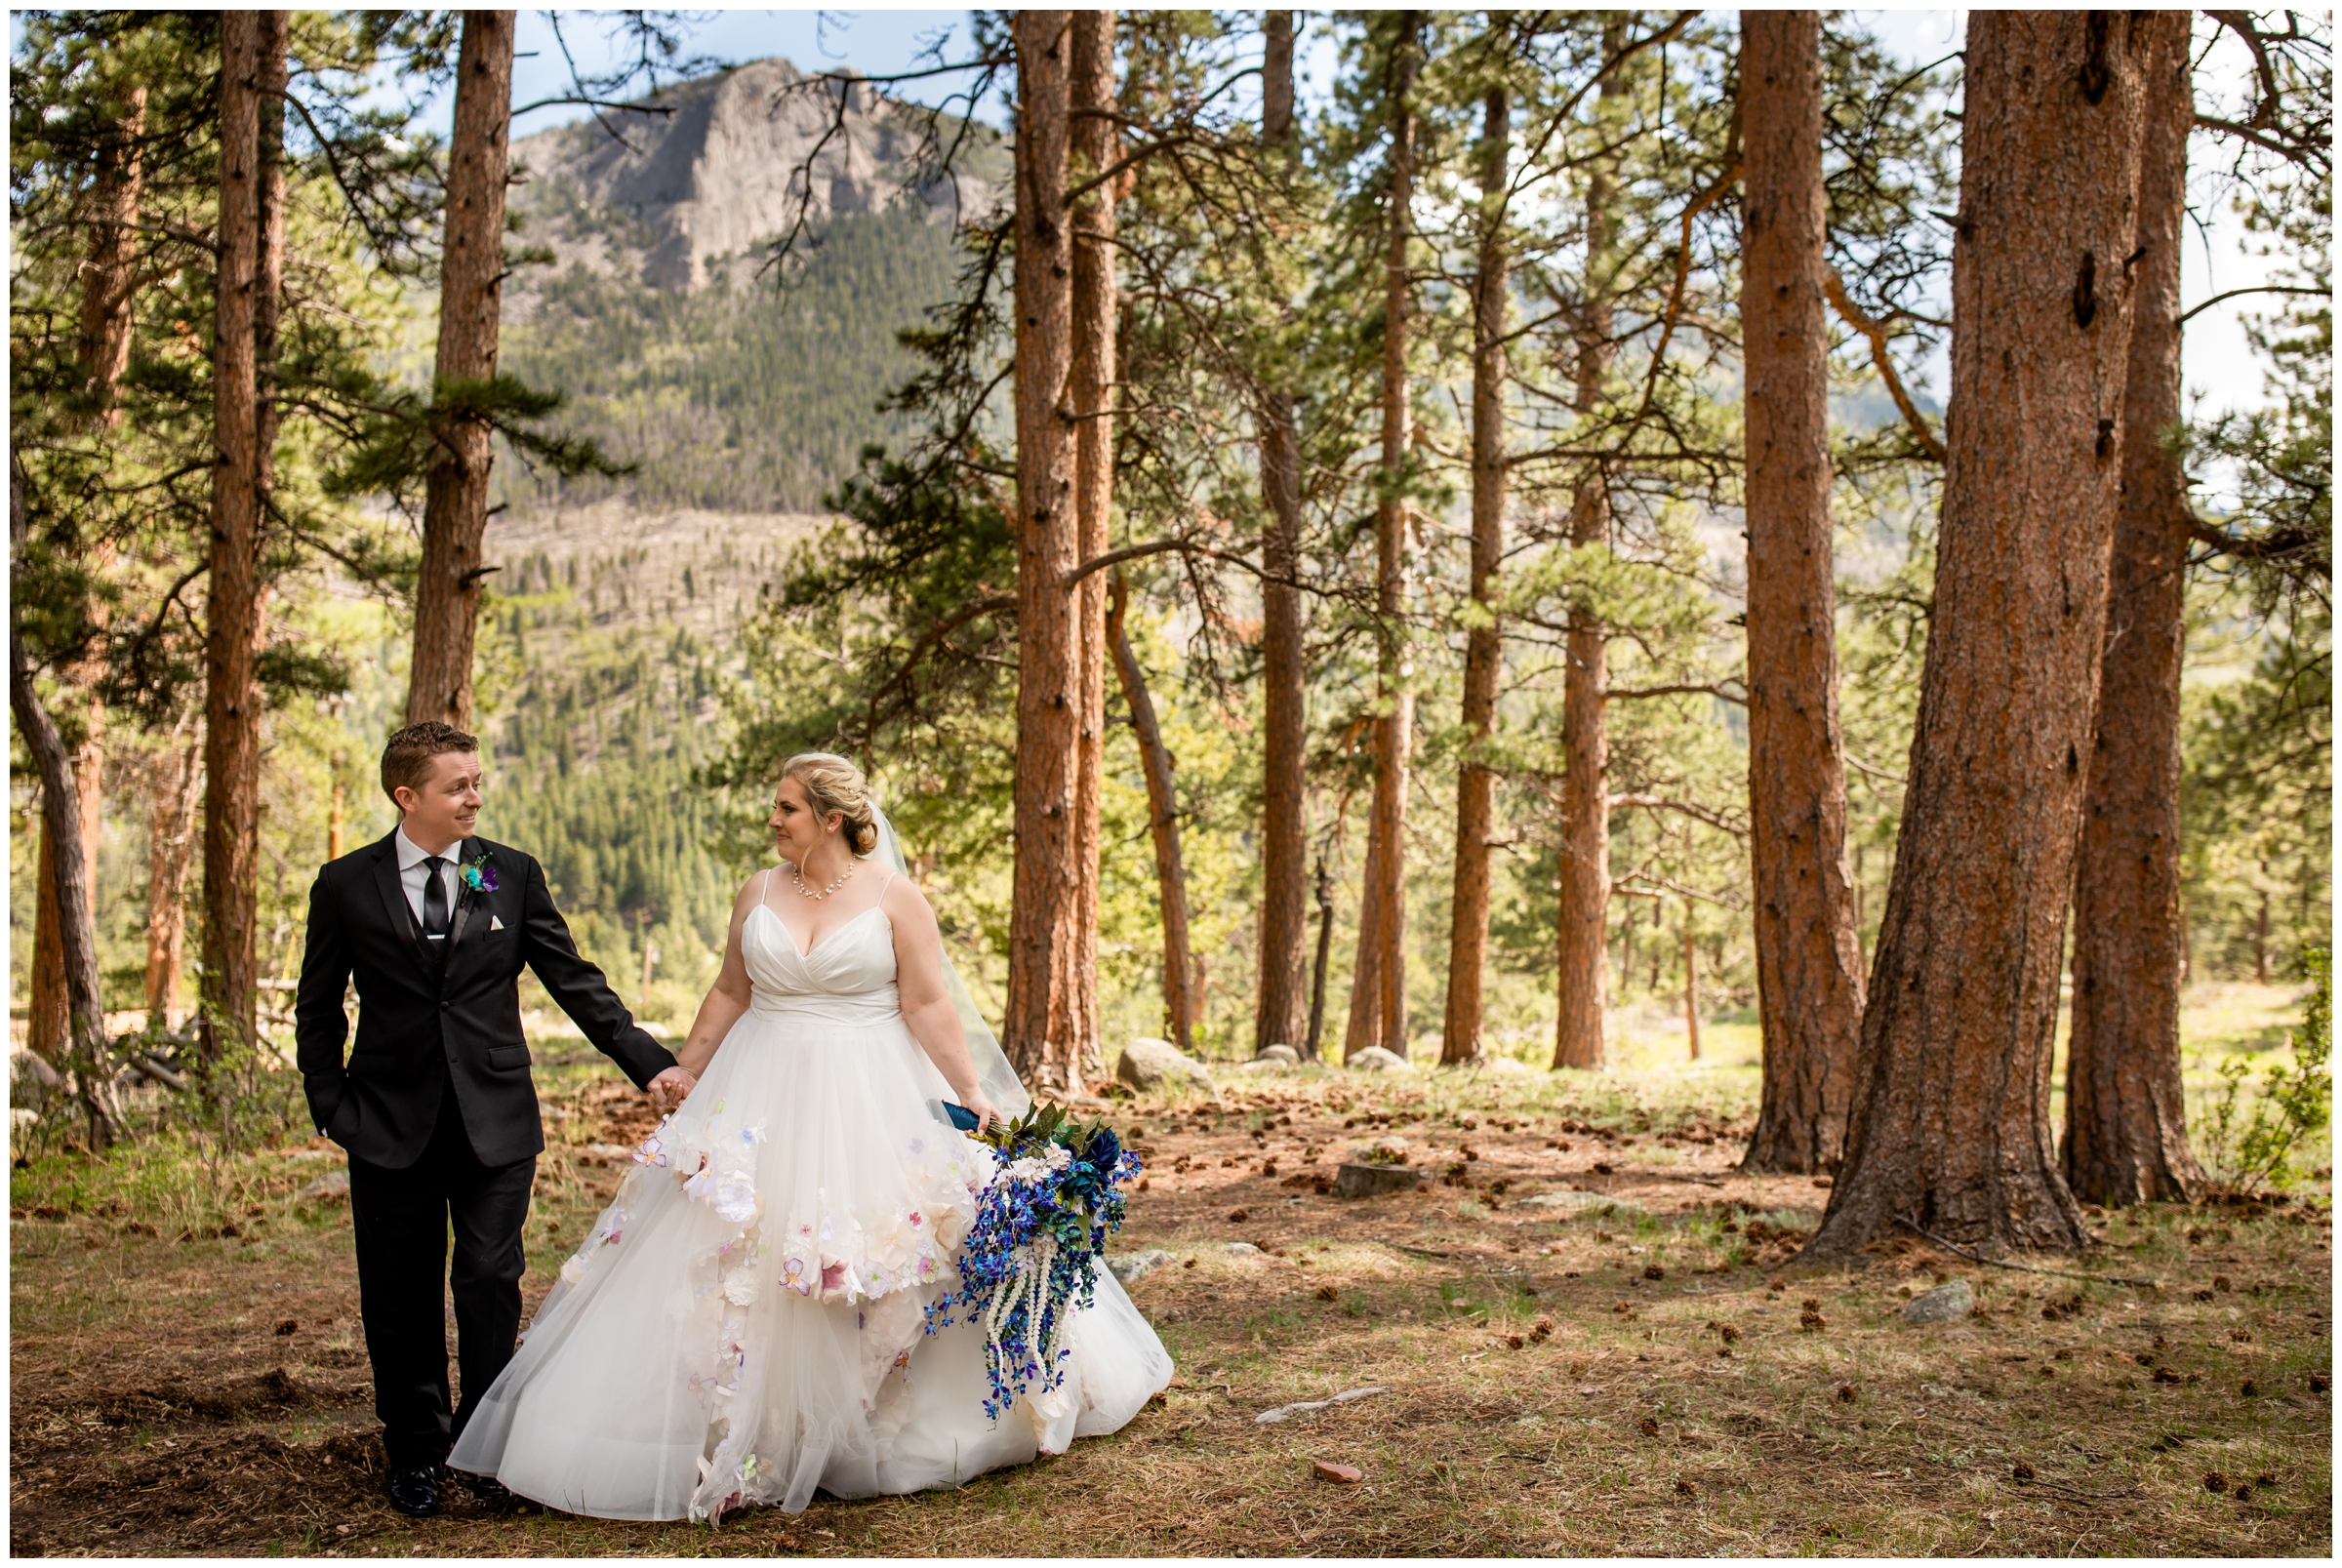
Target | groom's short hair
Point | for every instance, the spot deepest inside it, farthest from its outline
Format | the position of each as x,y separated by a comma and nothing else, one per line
407,759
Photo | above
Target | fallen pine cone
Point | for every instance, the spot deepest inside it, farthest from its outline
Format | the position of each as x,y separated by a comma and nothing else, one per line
2214,1481
1845,1394
1238,1216
1812,1322
1684,1488
1327,1293
1650,1425
2021,1471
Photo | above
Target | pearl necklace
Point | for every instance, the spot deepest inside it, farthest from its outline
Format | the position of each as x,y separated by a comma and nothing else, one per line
843,877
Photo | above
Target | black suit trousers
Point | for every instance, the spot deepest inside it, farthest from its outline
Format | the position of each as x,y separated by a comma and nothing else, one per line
401,1219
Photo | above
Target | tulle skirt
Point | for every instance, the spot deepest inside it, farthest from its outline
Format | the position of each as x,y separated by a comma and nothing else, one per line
747,1320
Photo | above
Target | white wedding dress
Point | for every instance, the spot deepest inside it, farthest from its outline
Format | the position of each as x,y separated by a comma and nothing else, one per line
758,1330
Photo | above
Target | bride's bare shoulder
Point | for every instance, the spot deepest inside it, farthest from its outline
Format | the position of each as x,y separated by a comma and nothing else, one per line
752,893
902,896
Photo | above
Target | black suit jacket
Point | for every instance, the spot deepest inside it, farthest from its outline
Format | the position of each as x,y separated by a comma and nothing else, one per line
429,1023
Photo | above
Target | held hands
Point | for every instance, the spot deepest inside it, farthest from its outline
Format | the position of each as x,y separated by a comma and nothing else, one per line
670,1089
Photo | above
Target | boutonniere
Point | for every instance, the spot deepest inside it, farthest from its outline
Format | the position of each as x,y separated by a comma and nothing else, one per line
480,875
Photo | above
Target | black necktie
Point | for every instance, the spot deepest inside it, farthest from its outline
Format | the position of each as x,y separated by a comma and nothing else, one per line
435,900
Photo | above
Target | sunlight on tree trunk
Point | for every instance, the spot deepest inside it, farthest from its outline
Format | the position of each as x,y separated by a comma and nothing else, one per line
455,517
251,265
1095,143
1052,1011
1483,650
1278,1013
1950,1125
1581,963
1383,920
1808,965
174,777
2127,1136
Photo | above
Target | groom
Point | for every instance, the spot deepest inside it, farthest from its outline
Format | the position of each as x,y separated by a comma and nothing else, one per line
435,1105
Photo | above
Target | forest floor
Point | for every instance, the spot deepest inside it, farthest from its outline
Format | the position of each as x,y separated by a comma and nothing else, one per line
1636,1368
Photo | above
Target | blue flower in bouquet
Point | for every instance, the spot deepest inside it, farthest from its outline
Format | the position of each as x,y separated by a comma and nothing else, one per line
1030,1257
479,876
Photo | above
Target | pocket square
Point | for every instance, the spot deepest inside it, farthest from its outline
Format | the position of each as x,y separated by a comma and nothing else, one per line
496,922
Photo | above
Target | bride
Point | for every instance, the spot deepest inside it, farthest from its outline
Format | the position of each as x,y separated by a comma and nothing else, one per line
746,1320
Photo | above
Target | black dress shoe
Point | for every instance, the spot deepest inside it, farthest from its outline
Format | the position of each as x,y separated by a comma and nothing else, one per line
415,1493
490,1493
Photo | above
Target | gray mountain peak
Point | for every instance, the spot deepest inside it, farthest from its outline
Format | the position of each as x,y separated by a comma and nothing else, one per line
705,186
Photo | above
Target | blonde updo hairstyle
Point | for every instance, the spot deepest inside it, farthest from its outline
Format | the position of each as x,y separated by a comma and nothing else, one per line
831,784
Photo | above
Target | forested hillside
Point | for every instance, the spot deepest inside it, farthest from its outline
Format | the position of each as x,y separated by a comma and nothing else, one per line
746,393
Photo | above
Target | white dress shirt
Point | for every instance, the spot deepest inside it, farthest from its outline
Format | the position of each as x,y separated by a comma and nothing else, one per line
412,872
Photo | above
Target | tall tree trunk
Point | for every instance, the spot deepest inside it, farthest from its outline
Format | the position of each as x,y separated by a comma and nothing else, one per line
108,285
49,1027
1052,1010
1281,1000
1383,922
172,779
2126,1138
1162,817
1581,972
1950,1126
455,508
252,73
1325,953
1095,142
1808,964
76,921
1483,646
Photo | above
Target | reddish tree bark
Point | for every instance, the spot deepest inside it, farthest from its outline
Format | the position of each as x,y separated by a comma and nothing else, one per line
1808,966
1180,996
1095,142
60,818
1950,1124
251,266
1582,968
1281,1001
455,515
1378,1011
1052,1011
2126,1138
109,282
173,779
1483,646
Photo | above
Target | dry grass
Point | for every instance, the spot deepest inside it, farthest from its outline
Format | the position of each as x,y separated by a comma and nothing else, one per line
158,1410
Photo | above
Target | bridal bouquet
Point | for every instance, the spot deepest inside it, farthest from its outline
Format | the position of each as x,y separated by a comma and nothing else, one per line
1030,1257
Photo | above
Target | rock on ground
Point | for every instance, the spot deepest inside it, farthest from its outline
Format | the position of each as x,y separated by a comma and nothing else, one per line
1150,1064
1374,1059
1945,1303
1284,1054
1130,1266
1358,1180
